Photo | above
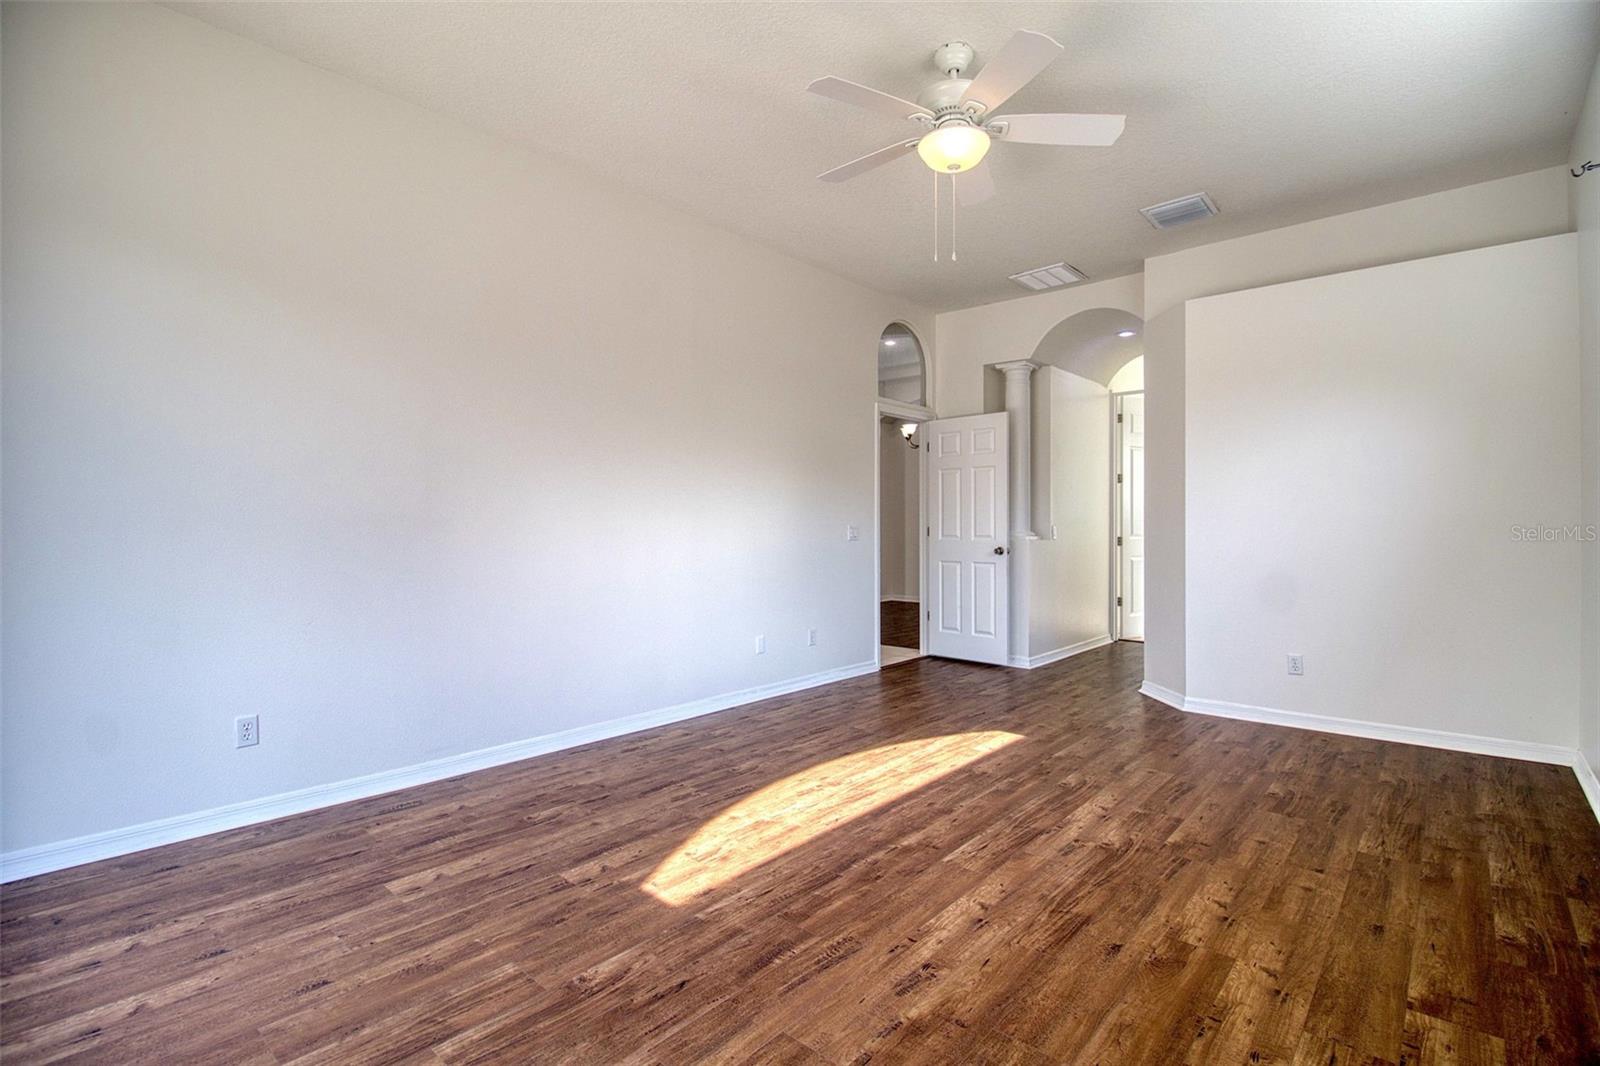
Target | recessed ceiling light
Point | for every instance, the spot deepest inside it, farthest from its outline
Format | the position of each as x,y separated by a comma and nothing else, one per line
1125,332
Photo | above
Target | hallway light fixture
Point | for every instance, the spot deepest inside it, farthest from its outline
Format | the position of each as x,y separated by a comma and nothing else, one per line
1125,332
907,429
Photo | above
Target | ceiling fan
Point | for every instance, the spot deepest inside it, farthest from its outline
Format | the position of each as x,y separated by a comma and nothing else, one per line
958,117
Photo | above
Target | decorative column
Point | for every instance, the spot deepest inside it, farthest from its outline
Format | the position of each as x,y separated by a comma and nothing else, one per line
1019,405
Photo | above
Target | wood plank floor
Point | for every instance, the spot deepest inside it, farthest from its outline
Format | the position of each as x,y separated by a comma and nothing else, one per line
939,863
898,624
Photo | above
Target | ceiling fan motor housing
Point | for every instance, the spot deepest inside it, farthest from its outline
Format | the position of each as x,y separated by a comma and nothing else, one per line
953,58
944,98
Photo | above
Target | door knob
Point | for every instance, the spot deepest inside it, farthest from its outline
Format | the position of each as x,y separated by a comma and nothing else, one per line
999,551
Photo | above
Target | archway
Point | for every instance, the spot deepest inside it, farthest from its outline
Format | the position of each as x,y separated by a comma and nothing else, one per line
1093,344
902,404
1088,478
902,366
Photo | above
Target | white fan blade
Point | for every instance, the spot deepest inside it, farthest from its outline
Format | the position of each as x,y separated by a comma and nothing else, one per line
867,162
973,186
871,99
1018,63
1087,130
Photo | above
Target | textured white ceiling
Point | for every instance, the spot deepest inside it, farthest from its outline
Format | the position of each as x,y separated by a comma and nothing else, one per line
1282,112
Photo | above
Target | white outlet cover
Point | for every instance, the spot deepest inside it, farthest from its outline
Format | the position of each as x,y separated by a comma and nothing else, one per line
761,645
1297,665
246,731
852,533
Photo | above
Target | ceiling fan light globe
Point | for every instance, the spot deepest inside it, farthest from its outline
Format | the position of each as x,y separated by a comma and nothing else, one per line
954,148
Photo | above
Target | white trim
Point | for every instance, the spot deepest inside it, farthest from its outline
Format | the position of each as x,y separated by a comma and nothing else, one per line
1587,781
899,599
1046,658
1171,697
1401,734
905,412
1498,747
43,858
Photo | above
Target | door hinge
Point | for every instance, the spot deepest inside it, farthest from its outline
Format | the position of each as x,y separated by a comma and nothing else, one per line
927,531
1119,416
1119,601
1119,542
1119,479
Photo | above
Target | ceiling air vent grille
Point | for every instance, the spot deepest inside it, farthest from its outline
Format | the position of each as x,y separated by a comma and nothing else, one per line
1178,212
1048,277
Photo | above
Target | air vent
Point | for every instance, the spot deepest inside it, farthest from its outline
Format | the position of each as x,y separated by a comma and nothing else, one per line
1183,210
1051,277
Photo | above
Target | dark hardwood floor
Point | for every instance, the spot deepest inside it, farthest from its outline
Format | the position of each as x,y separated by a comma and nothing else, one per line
898,625
941,863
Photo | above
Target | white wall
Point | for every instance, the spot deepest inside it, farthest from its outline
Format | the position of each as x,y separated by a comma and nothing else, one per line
1130,378
1361,448
322,407
898,470
1070,572
1474,216
1585,196
1510,209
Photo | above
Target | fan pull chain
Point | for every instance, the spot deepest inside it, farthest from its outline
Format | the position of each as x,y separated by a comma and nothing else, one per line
952,218
935,216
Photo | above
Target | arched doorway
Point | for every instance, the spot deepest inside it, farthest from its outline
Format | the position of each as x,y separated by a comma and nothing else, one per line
1088,479
902,367
901,405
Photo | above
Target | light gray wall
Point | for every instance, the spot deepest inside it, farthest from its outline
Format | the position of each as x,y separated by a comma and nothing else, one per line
322,407
1070,567
1585,197
1473,216
1368,454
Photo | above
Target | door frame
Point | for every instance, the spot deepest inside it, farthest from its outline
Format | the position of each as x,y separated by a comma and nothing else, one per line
1116,511
900,412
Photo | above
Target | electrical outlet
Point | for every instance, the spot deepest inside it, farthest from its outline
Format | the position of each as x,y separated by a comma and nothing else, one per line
247,731
1297,665
852,533
761,645
811,637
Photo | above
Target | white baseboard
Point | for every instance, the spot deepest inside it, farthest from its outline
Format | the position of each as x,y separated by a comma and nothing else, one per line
1429,738
899,599
1166,695
1352,727
43,858
1588,782
1046,658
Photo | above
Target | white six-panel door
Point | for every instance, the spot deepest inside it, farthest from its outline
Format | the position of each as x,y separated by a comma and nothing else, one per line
1130,516
967,535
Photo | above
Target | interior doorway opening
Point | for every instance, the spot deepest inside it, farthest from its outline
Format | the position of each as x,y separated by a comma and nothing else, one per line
1087,482
901,407
1128,507
899,557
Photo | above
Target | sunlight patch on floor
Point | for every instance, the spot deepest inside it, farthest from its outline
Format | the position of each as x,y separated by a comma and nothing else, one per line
788,813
